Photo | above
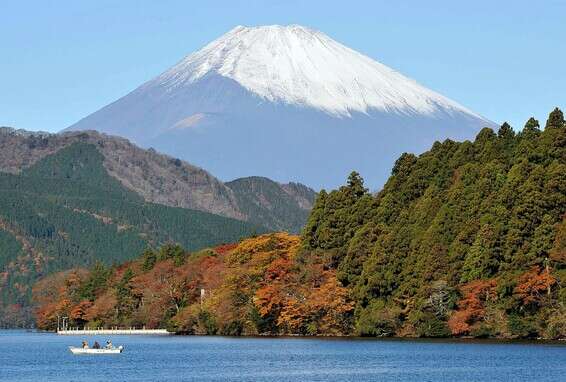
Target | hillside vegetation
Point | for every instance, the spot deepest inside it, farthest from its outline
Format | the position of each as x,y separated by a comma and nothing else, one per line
161,179
467,239
253,287
66,211
281,207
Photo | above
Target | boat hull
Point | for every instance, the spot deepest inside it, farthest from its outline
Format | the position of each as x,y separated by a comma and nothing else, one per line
79,350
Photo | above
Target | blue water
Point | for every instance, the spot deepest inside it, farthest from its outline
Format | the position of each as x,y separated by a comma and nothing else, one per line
44,357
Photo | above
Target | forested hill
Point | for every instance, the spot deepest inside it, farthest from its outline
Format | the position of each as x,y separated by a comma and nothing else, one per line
467,239
161,179
280,207
66,211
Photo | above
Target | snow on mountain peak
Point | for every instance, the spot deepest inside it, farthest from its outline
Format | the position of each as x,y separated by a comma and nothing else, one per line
304,67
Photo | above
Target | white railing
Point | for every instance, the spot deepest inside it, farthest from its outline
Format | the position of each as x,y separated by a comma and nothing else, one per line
115,330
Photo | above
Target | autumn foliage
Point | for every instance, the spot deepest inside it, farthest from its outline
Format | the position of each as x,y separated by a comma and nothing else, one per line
534,285
471,308
253,287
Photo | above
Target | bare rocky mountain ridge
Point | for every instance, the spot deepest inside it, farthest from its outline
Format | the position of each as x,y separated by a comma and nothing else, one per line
162,179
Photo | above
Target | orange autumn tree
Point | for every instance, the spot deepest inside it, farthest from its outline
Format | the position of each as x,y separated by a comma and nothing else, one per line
534,285
79,311
280,298
103,311
163,292
232,304
270,297
471,307
53,296
330,306
313,309
304,299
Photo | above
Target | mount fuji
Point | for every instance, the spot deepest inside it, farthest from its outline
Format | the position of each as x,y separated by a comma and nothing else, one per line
286,102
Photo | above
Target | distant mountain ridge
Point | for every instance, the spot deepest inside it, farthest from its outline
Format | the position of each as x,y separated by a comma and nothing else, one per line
286,102
165,180
271,203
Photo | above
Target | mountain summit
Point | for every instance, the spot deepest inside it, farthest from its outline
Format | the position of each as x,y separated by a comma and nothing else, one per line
304,67
286,102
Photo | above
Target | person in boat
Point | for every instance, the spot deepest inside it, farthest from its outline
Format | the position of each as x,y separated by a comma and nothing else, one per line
109,344
85,345
96,345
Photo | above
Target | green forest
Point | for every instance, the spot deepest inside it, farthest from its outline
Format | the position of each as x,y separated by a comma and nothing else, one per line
466,239
66,211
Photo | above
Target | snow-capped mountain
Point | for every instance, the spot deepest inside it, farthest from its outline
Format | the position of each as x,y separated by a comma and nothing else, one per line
300,66
286,102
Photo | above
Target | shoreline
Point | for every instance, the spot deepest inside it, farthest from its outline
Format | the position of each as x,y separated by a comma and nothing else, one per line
463,340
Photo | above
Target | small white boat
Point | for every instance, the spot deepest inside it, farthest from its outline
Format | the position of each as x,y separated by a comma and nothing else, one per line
81,350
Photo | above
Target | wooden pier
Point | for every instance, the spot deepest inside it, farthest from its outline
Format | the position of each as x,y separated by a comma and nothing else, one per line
111,331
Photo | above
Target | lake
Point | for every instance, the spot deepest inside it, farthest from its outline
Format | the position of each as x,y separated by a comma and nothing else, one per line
29,356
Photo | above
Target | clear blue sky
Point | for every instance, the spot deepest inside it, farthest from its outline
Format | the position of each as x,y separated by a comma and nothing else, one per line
61,60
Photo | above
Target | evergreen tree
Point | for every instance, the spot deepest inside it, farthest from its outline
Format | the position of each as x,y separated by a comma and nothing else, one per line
149,259
403,165
506,131
558,251
484,136
532,124
355,186
98,277
172,251
481,261
125,299
555,119
311,230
